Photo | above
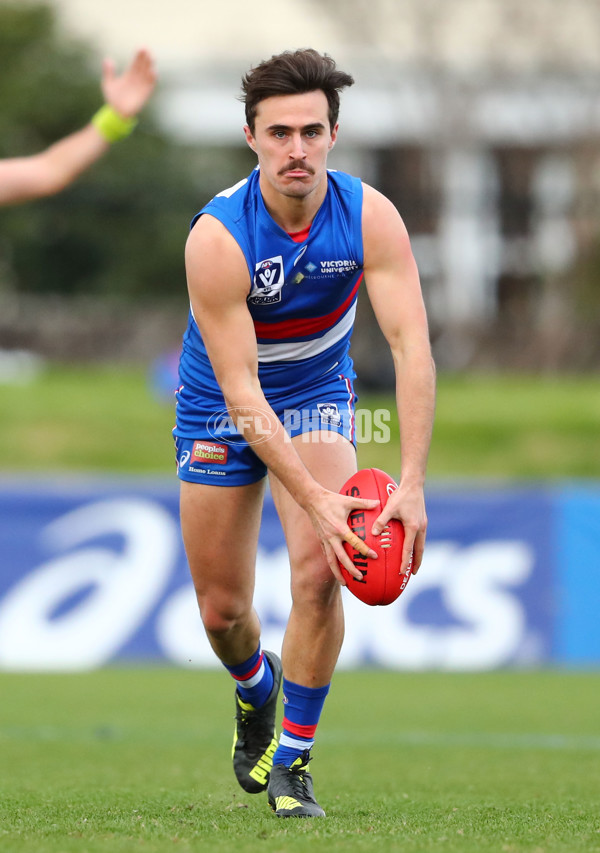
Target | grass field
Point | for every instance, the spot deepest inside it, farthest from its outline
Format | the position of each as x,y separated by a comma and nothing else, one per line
106,419
128,760
123,760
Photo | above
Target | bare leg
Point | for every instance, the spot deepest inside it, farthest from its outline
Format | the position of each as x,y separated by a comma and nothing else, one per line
220,528
315,629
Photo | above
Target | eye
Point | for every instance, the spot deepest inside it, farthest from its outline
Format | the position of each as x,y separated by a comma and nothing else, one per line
279,134
312,134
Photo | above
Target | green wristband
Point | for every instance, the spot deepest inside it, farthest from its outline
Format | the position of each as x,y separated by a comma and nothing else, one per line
111,125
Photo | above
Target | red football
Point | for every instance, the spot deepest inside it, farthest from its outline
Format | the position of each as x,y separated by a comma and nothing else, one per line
382,582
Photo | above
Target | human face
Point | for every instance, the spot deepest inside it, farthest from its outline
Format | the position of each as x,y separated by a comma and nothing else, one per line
292,139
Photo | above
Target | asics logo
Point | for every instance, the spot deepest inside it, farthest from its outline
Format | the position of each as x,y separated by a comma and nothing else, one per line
300,253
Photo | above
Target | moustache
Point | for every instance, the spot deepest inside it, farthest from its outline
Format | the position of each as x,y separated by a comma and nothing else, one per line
297,164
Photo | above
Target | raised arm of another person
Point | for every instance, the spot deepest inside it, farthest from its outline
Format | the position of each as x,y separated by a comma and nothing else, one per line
50,171
394,290
218,283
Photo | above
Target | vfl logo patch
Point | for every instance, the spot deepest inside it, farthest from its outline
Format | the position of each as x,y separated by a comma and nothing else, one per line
329,413
268,281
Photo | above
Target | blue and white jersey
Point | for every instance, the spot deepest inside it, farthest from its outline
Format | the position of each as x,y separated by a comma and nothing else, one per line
303,287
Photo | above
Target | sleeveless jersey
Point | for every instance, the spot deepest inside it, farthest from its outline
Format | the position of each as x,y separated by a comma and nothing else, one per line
302,295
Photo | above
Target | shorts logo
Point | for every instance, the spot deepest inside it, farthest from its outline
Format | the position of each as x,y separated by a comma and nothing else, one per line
208,451
329,413
268,281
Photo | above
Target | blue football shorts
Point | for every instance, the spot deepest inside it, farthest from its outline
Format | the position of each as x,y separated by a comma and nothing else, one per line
218,455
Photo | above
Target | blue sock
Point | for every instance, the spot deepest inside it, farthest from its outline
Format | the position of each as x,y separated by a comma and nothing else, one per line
302,709
254,679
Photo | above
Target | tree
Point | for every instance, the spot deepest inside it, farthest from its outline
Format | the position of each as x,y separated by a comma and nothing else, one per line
121,228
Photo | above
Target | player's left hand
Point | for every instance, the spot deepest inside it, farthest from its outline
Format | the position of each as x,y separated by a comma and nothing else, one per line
129,92
407,504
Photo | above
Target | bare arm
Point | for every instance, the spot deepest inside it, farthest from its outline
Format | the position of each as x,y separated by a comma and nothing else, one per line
50,171
218,284
47,173
394,289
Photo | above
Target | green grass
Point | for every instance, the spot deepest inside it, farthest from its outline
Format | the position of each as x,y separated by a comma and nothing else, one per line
86,419
530,427
127,760
105,419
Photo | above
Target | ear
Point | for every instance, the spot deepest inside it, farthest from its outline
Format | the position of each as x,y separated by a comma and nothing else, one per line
249,138
333,138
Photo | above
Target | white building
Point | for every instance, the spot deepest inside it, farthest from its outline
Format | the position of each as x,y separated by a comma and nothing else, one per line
474,116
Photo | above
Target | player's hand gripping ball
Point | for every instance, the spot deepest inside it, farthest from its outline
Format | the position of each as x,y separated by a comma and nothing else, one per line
381,581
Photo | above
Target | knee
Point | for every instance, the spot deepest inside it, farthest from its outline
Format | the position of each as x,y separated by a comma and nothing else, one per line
313,582
221,617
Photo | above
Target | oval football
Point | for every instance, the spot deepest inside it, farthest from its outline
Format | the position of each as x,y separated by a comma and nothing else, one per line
382,582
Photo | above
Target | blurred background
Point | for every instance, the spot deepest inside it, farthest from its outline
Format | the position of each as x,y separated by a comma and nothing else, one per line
480,120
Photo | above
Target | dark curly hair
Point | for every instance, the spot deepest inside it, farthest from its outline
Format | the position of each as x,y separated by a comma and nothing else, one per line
294,73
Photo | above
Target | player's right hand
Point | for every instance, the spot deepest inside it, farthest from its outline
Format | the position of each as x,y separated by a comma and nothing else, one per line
329,513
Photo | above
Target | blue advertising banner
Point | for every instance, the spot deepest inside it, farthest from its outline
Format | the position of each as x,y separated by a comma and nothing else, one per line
484,595
577,635
93,571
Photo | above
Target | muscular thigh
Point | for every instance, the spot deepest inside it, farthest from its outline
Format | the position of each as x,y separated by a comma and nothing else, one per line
220,528
331,459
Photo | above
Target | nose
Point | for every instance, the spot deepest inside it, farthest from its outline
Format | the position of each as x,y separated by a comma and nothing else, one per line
297,147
